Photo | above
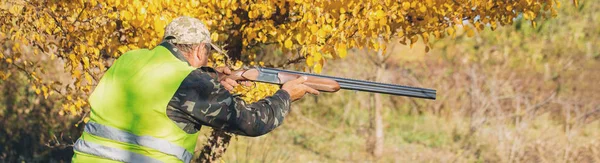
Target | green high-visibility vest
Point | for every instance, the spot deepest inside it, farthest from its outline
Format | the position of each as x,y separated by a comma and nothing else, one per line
128,120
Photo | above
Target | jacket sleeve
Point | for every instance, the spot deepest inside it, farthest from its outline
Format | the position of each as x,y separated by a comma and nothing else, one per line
208,103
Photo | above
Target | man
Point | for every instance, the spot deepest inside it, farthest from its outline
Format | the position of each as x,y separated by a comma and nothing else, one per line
150,104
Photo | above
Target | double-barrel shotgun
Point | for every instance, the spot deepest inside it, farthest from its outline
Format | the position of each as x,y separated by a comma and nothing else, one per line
326,83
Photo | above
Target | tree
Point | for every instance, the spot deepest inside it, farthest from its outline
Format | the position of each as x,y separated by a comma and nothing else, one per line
87,35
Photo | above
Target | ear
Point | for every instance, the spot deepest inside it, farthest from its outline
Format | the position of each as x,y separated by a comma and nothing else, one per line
201,53
197,50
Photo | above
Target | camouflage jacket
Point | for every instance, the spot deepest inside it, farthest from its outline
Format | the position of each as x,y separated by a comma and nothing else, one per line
202,100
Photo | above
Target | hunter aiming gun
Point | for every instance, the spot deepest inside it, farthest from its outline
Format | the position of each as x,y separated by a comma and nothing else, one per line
329,83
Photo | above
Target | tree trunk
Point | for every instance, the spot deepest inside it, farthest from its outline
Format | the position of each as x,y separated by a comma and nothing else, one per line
378,150
377,136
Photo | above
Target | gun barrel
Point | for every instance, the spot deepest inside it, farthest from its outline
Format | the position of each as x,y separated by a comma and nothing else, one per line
368,86
398,92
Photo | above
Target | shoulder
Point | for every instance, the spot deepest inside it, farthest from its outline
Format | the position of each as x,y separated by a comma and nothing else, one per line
133,54
201,77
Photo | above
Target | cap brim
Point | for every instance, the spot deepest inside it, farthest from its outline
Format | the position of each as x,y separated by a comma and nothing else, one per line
217,48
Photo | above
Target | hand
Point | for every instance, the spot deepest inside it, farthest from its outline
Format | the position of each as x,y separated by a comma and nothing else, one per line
297,90
228,83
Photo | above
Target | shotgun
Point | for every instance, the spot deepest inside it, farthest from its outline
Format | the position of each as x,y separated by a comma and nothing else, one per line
326,83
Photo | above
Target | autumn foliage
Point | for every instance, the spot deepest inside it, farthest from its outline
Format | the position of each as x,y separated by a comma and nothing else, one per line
87,35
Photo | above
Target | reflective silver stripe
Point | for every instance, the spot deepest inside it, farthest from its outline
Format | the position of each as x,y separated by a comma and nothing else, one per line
111,153
146,141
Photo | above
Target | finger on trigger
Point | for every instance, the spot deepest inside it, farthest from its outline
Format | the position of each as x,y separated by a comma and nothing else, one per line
227,86
231,82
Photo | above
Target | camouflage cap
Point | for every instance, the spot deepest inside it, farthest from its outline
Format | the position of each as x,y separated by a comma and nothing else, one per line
188,30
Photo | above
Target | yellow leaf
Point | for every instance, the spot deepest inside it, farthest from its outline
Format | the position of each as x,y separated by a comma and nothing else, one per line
236,20
298,38
122,49
321,32
423,8
317,57
342,50
318,68
159,24
405,5
88,78
314,29
86,62
380,14
72,109
52,56
310,61
531,15
214,36
527,16
45,91
76,74
288,44
470,32
37,91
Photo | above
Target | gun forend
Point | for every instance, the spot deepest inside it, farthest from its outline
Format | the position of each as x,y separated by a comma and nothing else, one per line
321,84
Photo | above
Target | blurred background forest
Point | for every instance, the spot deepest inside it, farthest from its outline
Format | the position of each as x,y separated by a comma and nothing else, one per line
517,94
